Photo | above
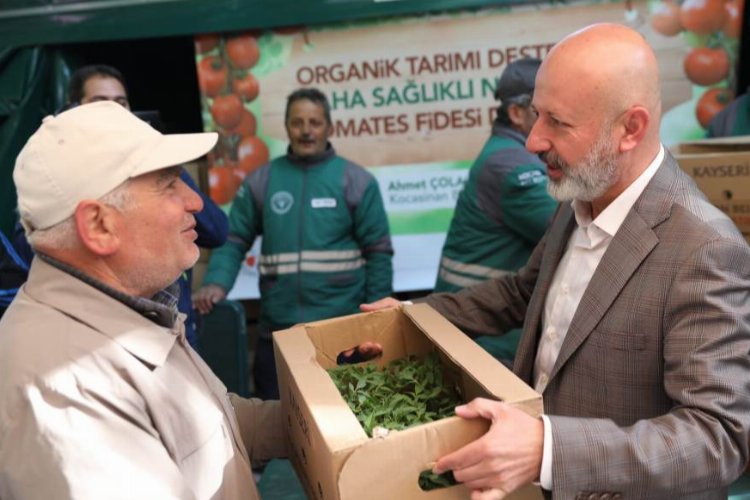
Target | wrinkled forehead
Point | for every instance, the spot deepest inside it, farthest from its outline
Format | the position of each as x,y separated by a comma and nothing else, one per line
306,108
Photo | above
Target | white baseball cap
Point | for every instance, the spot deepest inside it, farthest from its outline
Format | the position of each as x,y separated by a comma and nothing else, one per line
86,152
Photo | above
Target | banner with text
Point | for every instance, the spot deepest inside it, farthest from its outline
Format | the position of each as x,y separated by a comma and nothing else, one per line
412,100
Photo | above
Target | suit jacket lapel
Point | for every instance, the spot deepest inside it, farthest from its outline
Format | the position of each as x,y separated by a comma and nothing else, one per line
632,243
630,246
556,242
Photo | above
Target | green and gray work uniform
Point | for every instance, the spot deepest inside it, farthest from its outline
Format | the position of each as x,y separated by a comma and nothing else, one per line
326,246
500,216
733,120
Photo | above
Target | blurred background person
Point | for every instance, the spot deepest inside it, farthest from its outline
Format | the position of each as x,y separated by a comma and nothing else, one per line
504,207
13,272
733,120
326,245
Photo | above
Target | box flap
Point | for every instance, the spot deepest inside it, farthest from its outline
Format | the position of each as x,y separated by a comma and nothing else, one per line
495,378
338,425
714,145
369,474
331,337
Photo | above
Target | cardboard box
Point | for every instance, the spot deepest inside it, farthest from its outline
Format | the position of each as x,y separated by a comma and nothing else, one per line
331,453
721,168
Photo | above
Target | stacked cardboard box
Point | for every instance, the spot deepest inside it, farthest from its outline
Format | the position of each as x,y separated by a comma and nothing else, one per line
331,453
721,168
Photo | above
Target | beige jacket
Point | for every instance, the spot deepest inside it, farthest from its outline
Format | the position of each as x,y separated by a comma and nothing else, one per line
650,395
96,401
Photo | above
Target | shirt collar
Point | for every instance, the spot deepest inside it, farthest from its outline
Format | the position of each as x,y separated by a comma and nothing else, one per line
161,308
612,217
88,304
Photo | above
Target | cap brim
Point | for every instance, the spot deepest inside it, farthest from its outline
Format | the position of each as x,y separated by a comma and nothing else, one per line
176,149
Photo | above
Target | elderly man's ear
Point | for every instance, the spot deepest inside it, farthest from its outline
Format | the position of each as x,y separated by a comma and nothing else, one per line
96,225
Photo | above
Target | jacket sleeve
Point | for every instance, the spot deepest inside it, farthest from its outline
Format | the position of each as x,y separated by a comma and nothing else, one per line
244,226
212,225
372,232
494,306
261,427
701,442
527,207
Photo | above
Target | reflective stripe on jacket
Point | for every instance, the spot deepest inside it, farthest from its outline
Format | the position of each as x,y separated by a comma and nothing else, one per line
326,245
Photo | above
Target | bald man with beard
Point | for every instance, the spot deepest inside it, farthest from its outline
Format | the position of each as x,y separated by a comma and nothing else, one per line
635,305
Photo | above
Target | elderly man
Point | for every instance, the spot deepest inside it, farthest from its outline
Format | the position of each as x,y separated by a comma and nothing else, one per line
100,394
635,305
100,82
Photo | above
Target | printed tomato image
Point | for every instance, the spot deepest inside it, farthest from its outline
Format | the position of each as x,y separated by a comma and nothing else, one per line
710,103
206,43
666,18
222,184
702,16
733,23
242,51
252,152
706,66
246,127
212,75
246,86
227,110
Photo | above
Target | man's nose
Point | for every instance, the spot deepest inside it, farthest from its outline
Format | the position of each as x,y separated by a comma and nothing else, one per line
535,143
306,128
193,201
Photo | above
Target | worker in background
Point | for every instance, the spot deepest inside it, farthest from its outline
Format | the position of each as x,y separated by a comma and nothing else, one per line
326,245
733,120
504,208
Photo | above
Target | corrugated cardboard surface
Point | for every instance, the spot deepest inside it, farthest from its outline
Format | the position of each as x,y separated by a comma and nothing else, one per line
721,168
331,452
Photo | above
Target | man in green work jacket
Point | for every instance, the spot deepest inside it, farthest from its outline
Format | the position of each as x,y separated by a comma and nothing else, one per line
733,120
504,207
326,246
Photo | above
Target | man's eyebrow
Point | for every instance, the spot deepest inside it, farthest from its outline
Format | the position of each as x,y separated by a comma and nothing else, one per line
166,175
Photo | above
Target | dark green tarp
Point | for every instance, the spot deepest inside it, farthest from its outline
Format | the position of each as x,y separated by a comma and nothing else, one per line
31,86
24,22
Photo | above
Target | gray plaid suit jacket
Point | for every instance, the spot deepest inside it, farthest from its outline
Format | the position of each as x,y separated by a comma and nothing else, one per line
650,395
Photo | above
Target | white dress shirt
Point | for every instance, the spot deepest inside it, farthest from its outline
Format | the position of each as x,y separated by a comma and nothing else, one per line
585,250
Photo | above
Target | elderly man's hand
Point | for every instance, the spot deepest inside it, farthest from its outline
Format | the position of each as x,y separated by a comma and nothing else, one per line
363,352
205,298
507,457
385,303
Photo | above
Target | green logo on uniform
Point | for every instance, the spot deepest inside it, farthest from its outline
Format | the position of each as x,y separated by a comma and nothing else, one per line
282,202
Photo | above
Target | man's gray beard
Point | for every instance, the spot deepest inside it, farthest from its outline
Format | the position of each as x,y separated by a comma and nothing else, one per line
589,179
